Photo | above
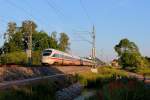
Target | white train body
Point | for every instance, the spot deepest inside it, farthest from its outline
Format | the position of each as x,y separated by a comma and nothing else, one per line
52,56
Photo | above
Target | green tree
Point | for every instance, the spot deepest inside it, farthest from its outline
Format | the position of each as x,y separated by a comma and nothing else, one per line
125,46
28,29
148,61
40,41
16,39
10,31
53,42
148,58
13,39
64,42
129,55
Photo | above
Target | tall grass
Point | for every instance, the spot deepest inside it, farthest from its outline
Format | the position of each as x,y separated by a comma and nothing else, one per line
43,91
40,90
125,90
105,74
143,71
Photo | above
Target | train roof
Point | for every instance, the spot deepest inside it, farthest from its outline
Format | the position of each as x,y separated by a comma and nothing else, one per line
67,54
64,53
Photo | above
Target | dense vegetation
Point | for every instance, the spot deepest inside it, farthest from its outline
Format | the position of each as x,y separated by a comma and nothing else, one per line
123,89
17,39
109,83
129,57
40,90
105,74
114,84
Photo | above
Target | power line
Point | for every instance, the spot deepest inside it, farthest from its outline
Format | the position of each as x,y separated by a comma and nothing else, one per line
57,11
31,8
18,7
92,34
84,39
82,32
84,9
22,9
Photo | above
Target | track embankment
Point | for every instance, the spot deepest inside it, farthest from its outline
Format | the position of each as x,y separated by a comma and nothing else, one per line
11,76
73,69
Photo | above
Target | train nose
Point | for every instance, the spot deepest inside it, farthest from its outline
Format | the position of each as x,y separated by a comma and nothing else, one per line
47,60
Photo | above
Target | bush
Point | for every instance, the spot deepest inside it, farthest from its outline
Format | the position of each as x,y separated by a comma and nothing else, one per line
44,90
20,58
110,71
14,58
144,71
105,74
128,90
36,58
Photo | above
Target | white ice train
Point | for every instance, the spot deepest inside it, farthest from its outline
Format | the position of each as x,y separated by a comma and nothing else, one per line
52,56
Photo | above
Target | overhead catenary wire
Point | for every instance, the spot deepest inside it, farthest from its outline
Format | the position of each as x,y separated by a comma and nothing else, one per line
24,10
18,7
59,12
56,10
86,13
31,8
90,21
50,4
84,39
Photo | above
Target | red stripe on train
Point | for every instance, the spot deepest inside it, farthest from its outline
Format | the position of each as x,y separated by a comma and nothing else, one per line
56,58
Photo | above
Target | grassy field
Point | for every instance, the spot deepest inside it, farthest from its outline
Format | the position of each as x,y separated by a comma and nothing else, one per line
104,75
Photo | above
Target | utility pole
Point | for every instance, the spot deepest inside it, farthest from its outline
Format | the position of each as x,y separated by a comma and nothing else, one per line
29,51
93,46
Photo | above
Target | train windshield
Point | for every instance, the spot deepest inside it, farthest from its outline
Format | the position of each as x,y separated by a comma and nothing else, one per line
47,52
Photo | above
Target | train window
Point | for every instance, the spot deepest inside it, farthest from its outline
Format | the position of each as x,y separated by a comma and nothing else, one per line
56,55
60,55
47,51
65,57
46,54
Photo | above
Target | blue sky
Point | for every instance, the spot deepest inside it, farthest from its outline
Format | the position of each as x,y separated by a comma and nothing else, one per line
113,20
